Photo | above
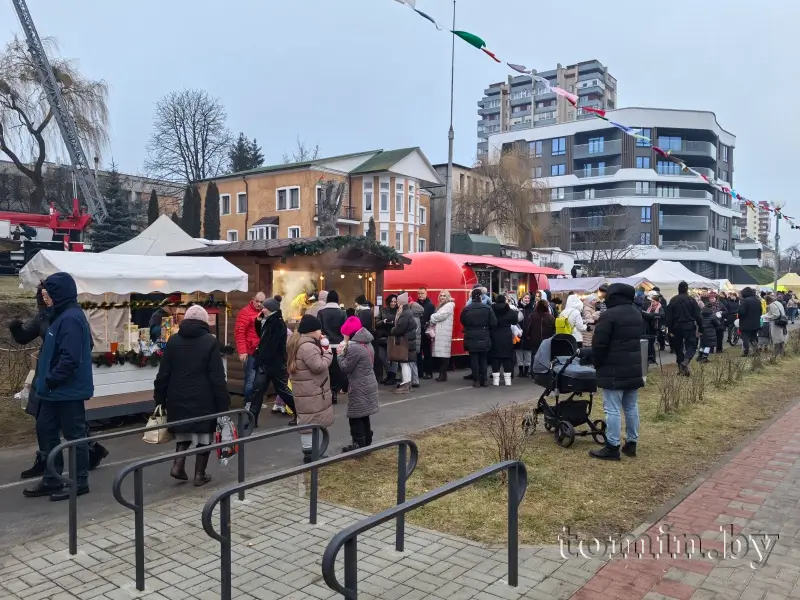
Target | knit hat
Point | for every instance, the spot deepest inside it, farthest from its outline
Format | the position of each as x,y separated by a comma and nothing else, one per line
333,297
361,299
272,305
402,299
308,324
196,313
351,326
323,296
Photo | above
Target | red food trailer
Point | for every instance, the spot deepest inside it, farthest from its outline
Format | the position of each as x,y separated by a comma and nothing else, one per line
458,274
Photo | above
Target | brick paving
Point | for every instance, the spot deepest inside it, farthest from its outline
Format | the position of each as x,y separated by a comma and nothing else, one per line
277,556
754,494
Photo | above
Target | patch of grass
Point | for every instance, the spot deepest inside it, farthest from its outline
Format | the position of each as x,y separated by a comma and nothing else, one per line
10,290
566,487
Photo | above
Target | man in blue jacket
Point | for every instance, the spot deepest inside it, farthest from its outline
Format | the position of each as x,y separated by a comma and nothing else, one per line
63,384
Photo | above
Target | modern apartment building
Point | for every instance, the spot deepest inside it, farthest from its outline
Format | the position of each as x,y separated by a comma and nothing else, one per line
521,103
280,201
616,202
765,218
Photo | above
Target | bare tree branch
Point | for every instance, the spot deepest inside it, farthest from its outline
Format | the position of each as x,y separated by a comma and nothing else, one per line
602,239
302,153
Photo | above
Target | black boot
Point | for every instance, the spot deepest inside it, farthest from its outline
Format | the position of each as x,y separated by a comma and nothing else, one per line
334,398
629,449
607,452
359,442
178,470
369,438
476,383
391,379
38,468
97,453
307,455
442,375
200,466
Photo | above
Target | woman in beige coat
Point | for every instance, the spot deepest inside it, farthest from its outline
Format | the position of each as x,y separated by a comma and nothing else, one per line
308,364
590,316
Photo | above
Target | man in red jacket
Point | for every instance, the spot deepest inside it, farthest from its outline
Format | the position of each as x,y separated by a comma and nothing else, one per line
247,339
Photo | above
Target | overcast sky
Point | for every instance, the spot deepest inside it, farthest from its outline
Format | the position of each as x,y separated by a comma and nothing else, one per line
355,75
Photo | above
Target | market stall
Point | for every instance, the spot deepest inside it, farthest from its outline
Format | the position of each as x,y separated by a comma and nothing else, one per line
588,285
789,282
125,355
161,238
667,274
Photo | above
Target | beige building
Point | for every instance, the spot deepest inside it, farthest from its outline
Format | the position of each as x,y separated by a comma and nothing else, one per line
280,201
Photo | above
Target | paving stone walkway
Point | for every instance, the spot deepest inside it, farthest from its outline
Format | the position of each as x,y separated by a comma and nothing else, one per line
277,555
756,495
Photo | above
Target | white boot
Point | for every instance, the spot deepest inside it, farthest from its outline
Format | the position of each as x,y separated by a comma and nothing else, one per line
495,378
507,378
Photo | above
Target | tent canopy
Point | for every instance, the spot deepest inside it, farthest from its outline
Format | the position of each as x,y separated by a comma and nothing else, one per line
123,274
790,281
583,285
160,239
667,274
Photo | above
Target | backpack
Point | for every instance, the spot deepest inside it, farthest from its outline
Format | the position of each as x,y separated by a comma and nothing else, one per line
563,325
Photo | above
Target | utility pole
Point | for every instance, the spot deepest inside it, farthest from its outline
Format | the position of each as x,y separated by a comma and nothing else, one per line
775,273
448,223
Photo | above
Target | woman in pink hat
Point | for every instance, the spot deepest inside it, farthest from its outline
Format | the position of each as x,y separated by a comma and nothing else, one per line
357,360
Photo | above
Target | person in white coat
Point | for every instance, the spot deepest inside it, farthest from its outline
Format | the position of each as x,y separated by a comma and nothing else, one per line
573,313
442,325
776,317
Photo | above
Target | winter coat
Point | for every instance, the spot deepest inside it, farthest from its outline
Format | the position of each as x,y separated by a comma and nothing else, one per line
384,324
332,317
24,333
357,364
708,335
616,346
191,378
749,311
406,326
429,308
731,310
541,327
310,383
478,320
717,306
777,335
590,316
271,351
573,312
244,332
64,366
419,314
527,312
502,338
683,313
364,313
443,321
314,309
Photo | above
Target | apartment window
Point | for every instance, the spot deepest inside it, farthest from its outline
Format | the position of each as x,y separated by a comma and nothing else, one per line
647,216
385,196
398,241
724,244
399,191
422,215
558,169
588,194
538,172
667,191
320,195
367,196
643,162
723,174
644,238
268,232
385,238
536,148
724,223
665,167
411,202
601,168
420,244
643,188
557,194
241,203
294,232
559,146
288,198
232,234
461,180
596,145
225,204
724,152
667,142
643,143
410,241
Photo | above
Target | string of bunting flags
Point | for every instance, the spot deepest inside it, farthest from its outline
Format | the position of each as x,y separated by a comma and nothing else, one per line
478,42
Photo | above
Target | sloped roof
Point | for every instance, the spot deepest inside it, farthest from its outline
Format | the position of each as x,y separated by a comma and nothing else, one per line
161,238
267,221
383,161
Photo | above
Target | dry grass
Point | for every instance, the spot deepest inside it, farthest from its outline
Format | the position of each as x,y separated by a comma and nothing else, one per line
566,487
9,290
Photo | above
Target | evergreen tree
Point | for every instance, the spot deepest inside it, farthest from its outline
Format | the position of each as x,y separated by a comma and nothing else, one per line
197,216
152,208
187,206
211,224
120,224
176,219
244,155
371,229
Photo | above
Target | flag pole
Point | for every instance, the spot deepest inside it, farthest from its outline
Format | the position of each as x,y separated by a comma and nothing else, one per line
448,224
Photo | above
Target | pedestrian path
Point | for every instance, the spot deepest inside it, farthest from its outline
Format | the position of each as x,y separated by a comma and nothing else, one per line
277,555
747,519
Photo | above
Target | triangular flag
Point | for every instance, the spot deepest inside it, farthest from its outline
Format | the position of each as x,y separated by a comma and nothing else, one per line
490,53
660,152
520,68
596,111
424,16
411,3
471,39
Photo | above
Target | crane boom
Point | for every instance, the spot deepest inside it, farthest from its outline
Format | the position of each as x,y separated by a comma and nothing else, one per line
69,132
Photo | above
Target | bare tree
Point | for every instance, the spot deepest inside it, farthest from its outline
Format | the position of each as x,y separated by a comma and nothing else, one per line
301,153
27,131
789,259
603,239
190,140
503,199
329,204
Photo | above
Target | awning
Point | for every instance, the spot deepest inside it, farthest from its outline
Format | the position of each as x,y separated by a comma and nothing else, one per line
514,265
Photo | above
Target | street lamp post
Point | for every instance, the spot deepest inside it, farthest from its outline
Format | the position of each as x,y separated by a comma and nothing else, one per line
777,263
448,223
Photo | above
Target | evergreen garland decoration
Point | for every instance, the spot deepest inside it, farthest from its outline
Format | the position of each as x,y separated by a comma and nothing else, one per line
139,304
107,359
317,246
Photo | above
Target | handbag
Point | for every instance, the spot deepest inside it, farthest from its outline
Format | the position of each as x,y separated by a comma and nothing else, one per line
398,349
430,331
782,321
157,436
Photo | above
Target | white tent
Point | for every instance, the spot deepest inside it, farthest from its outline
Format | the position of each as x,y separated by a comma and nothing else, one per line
582,285
667,274
161,238
124,274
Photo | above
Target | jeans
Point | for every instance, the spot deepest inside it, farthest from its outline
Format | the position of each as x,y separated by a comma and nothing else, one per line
685,342
749,338
383,356
249,378
279,378
478,362
414,373
425,355
67,418
791,313
523,358
615,402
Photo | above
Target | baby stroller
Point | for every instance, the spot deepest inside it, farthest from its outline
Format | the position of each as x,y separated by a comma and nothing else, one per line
556,369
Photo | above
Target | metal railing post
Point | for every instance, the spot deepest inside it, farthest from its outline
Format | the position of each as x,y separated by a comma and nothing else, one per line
312,510
225,547
513,525
402,476
138,526
73,500
351,568
240,460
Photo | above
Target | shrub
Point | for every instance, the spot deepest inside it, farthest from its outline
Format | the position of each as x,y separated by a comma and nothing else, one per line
670,392
502,431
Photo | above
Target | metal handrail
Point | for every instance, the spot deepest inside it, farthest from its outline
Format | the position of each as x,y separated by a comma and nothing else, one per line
223,498
72,480
517,484
138,479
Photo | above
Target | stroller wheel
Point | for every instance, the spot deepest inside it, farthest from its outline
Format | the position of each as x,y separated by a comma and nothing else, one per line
564,434
599,436
548,426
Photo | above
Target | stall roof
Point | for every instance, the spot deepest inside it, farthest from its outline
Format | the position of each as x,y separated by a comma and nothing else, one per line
125,274
790,281
671,273
514,265
160,239
592,284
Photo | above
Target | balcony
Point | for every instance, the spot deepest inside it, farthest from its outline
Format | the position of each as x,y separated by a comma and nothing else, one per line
683,223
523,125
591,89
489,110
346,213
598,222
599,172
688,148
630,192
601,148
517,101
684,246
673,170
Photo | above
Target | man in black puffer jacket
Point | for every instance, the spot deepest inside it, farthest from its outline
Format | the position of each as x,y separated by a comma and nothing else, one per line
749,319
617,356
684,323
271,359
478,319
